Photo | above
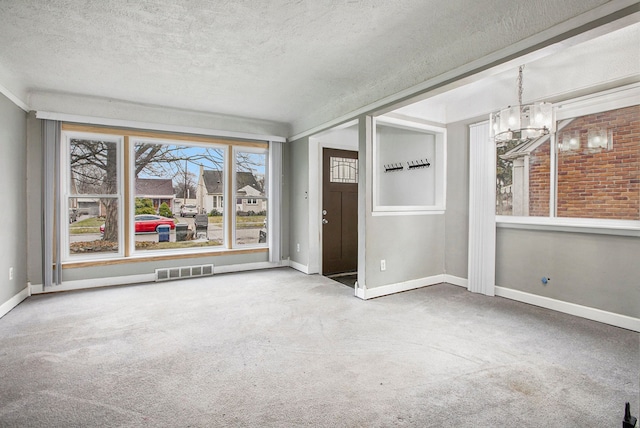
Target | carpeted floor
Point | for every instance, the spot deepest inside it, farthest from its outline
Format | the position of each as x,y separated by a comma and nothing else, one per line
278,348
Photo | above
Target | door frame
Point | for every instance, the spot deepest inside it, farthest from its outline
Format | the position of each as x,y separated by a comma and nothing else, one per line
316,145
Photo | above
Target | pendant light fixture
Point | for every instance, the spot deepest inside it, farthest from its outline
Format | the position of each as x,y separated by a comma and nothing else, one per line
522,122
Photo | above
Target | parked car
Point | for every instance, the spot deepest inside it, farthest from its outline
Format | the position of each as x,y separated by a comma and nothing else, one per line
188,211
149,223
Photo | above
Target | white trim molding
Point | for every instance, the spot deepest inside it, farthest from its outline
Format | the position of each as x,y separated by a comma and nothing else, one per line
300,267
14,99
91,120
14,301
384,290
456,280
594,314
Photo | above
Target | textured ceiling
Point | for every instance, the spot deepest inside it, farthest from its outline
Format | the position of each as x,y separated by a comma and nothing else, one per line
297,62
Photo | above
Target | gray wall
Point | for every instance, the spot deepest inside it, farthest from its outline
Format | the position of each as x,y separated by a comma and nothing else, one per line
13,174
457,215
413,246
598,271
297,175
34,199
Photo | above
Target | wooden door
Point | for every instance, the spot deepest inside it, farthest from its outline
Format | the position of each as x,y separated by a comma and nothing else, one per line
339,211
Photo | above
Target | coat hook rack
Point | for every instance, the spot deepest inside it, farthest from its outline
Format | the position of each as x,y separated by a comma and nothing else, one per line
422,163
392,167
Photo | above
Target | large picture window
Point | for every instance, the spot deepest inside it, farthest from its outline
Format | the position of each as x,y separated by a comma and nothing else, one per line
146,194
176,185
588,169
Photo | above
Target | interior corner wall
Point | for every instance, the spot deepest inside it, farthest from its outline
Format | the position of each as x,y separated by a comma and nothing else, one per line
13,174
457,214
593,270
297,176
35,168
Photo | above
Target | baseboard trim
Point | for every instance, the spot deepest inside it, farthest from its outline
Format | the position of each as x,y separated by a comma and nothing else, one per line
299,266
593,314
82,284
247,266
14,301
456,280
147,277
385,290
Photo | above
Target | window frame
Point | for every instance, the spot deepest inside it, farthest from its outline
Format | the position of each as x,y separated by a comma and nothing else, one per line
231,208
126,139
613,99
66,195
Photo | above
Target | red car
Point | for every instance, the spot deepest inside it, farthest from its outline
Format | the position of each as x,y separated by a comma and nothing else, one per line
149,223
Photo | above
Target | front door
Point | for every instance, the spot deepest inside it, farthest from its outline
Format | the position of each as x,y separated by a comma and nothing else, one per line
339,211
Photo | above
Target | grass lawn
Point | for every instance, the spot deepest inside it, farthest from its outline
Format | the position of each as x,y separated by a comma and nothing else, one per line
242,221
88,225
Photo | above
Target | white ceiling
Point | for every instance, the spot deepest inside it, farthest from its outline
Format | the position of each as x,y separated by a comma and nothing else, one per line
297,62
606,61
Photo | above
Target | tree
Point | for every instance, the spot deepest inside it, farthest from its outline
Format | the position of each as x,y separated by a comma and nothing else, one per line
94,169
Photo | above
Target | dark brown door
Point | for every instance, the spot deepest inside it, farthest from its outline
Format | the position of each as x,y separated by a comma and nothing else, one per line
339,211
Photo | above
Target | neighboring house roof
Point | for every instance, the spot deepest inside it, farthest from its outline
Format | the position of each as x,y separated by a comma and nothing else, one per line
154,187
529,146
214,184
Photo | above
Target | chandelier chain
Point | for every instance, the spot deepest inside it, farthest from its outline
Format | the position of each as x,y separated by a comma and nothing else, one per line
520,90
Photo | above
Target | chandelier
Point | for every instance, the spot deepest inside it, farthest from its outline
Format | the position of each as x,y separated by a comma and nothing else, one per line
522,122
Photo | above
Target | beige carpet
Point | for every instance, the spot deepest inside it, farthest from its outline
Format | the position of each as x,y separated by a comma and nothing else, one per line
278,348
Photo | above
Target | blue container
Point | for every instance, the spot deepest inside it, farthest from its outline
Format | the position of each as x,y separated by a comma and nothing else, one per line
163,233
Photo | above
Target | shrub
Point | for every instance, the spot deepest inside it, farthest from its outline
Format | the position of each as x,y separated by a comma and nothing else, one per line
215,213
164,210
144,206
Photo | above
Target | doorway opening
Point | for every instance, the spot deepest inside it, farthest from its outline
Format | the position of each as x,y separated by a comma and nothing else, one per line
339,213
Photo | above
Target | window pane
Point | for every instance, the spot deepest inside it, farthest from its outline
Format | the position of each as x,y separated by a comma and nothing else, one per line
343,170
251,203
523,178
598,165
94,167
93,225
178,186
251,222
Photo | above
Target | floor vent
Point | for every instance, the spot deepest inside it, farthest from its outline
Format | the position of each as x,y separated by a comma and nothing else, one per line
167,274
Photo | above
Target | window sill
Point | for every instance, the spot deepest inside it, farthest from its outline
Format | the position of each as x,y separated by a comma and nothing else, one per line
574,225
406,210
141,258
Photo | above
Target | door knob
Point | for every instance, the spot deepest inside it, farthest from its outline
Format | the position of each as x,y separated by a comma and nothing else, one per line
325,221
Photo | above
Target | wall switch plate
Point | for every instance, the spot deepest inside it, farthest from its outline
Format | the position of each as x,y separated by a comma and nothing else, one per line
297,248
383,265
10,274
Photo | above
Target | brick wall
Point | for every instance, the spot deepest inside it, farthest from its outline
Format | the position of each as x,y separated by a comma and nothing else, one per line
593,183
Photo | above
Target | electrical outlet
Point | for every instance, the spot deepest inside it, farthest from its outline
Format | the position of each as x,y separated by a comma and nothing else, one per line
297,248
10,274
383,265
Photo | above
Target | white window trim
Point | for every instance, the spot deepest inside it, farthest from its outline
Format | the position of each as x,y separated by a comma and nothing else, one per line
612,99
65,181
578,225
133,140
235,196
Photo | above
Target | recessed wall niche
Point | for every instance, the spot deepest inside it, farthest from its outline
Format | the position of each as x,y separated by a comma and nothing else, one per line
409,167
